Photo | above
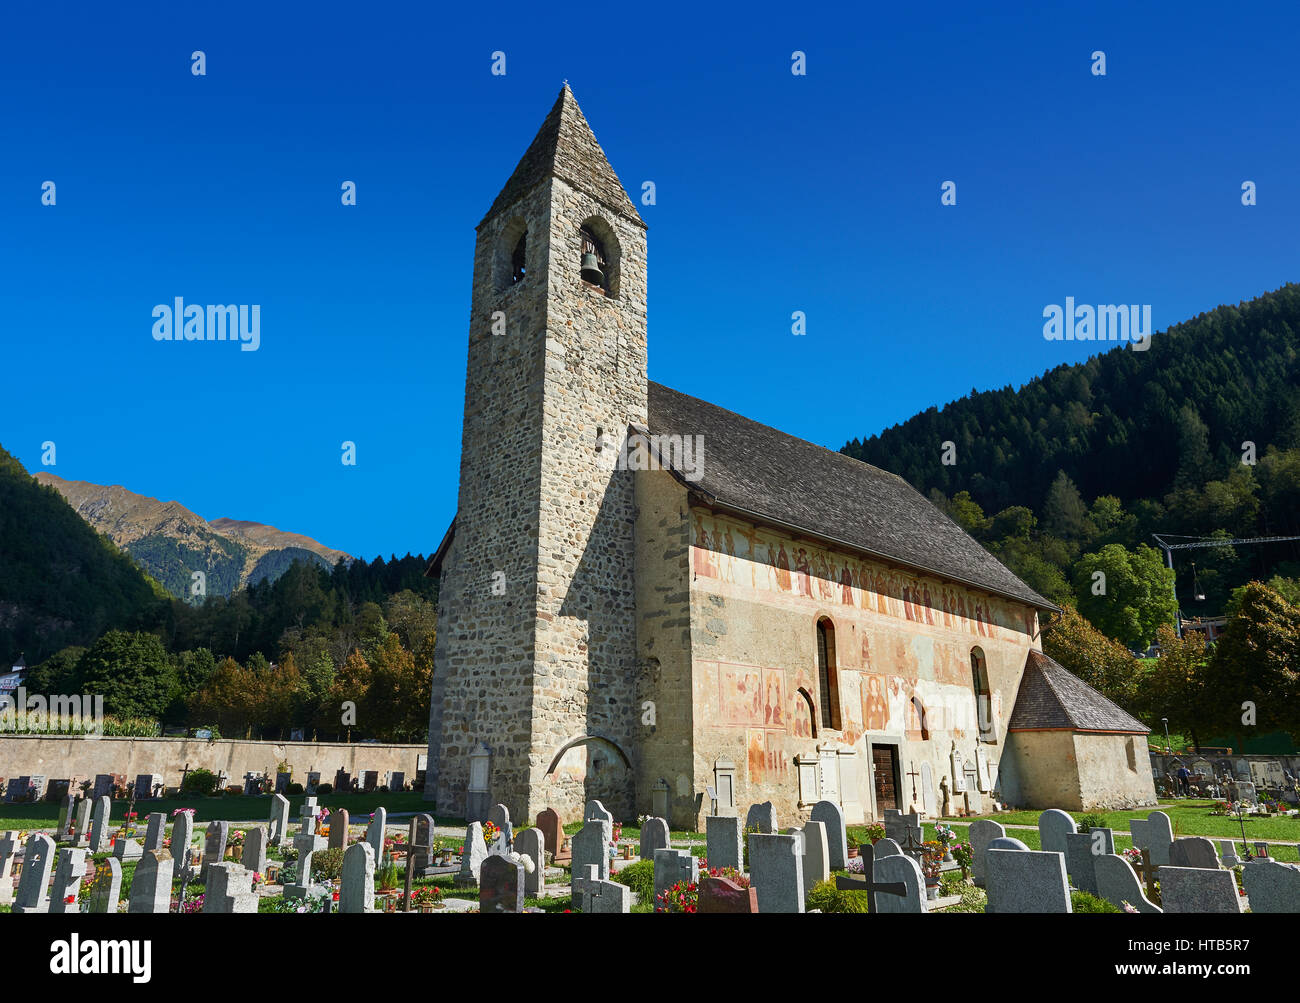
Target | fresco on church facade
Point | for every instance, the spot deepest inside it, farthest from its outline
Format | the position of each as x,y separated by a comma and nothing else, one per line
753,558
740,694
875,703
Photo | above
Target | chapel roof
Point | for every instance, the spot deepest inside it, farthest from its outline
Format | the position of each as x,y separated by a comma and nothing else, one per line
769,476
1051,698
566,148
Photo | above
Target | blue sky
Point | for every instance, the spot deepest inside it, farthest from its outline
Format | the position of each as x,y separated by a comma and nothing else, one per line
776,193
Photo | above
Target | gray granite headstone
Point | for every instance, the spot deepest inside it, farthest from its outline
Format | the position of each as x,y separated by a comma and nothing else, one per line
81,825
279,820
1228,850
126,849
1118,883
654,836
590,847
1197,889
723,841
816,854
99,825
1081,852
214,847
106,888
1193,851
1155,834
375,832
67,880
8,856
501,885
151,886
1271,886
900,827
357,888
776,872
339,822
254,857
595,810
1053,826
155,832
531,843
182,835
899,867
884,848
761,818
38,860
229,889
600,896
1007,843
1026,881
473,855
982,832
831,815
673,866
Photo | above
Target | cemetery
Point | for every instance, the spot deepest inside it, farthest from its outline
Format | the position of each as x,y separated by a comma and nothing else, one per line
263,853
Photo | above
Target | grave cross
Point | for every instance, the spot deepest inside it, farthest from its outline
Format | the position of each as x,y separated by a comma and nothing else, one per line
412,833
913,774
868,882
187,875
1147,873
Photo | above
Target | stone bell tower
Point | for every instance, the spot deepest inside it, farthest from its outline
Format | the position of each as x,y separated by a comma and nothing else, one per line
534,677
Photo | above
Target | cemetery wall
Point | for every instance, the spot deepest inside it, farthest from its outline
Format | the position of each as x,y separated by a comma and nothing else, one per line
64,756
664,646
902,646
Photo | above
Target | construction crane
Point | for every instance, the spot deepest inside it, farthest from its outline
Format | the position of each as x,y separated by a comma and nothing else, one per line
1204,541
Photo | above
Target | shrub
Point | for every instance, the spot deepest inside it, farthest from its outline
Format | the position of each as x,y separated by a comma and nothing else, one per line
324,789
200,782
640,877
326,865
1083,902
952,884
826,897
1091,821
293,790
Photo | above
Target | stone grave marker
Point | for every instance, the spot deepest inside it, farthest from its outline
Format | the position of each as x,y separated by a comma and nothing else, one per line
473,855
214,847
16,790
421,851
339,822
252,784
557,843
126,849
719,895
601,896
8,855
831,815
254,857
1271,886
229,889
1081,852
357,889
672,866
501,885
724,844
1026,881
531,843
279,820
182,835
900,827
145,786
306,844
1197,889
103,786
885,847
1155,834
99,825
397,781
1053,826
38,860
1229,853
900,869
499,815
776,871
596,810
982,832
870,881
761,818
1193,851
282,782
816,854
1118,883
106,887
369,781
81,823
590,847
654,836
151,887
375,832
67,817
342,782
313,782
156,831
67,880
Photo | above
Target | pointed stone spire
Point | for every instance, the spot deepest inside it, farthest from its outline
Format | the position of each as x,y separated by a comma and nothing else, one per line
565,148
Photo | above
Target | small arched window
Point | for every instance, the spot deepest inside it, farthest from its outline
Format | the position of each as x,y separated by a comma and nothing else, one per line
812,711
517,259
979,672
826,675
593,245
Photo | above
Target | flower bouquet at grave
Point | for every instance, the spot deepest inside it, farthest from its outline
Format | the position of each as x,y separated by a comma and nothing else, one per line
193,905
932,860
945,835
730,873
618,831
1132,854
490,833
875,833
427,897
854,865
388,876
641,820
236,838
681,897
964,854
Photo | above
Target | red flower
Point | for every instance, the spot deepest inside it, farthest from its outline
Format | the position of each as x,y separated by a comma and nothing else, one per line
70,899
336,896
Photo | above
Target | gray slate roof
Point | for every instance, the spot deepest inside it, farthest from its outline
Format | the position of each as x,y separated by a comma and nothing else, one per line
565,147
1051,698
773,477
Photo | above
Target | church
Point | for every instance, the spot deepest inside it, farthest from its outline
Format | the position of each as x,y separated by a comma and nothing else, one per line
650,600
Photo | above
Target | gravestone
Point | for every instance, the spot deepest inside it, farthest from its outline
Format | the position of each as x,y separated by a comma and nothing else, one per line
531,843
8,855
254,857
882,848
126,849
899,868
761,818
103,785
590,848
229,889
719,895
1053,826
499,815
99,825
156,831
313,782
1081,852
673,866
1155,834
1193,851
422,850
1026,881
928,802
501,885
776,871
1007,843
548,821
831,815
599,896
38,860
279,820
182,835
282,782
982,832
1197,889
306,844
67,816
478,793
357,888
1228,850
654,836
151,887
145,786
67,880
1271,886
339,821
81,823
106,887
342,782
369,781
214,847
397,781
375,833
899,827
596,810
16,790
1118,883
816,854
472,857
723,841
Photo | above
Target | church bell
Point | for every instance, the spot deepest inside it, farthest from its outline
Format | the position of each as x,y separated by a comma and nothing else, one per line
591,270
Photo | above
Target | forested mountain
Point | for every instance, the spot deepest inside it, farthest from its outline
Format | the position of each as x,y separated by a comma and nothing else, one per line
1127,444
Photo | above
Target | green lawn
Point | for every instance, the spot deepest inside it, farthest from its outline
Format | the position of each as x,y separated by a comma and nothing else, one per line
1189,818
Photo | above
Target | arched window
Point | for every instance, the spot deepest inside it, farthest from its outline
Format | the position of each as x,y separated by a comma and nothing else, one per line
983,698
598,255
593,245
510,254
517,264
826,676
812,712
918,710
